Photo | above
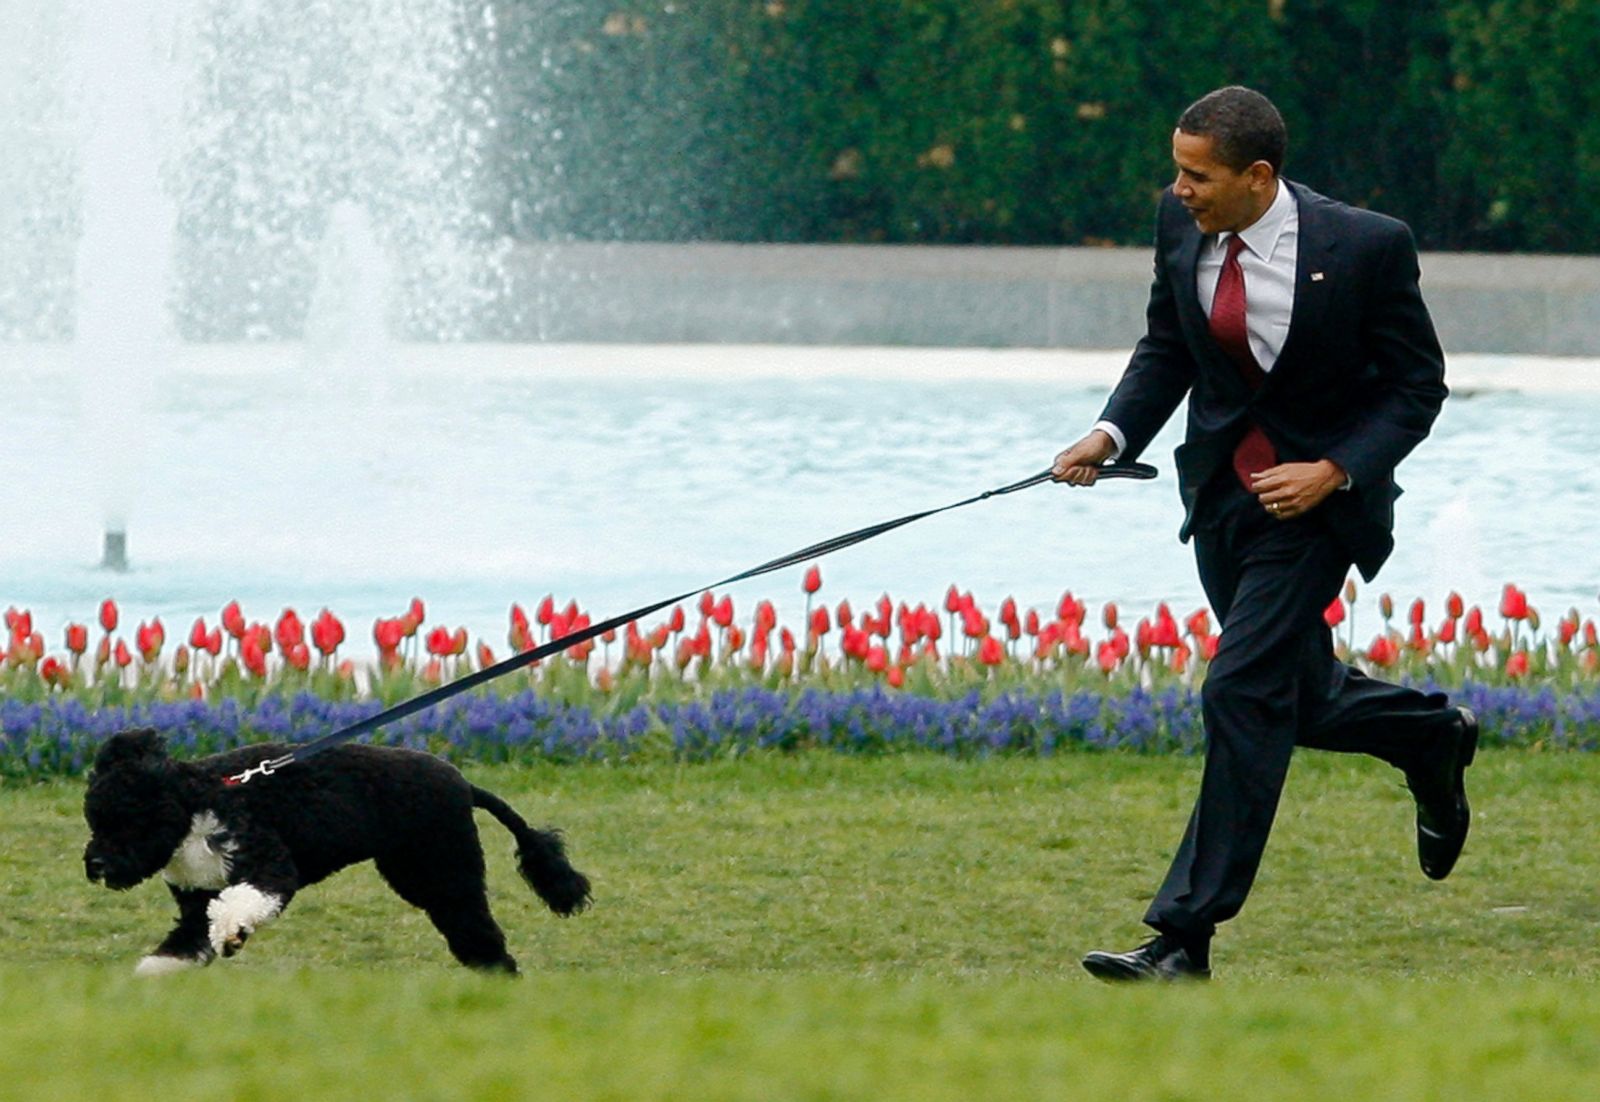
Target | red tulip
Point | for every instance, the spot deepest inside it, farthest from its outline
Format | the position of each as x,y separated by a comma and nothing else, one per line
197,633
214,642
1383,652
812,580
1568,630
1106,656
1209,645
438,642
290,631
855,643
20,623
675,621
388,634
299,657
233,620
1108,615
1453,605
847,617
150,639
990,652
1418,612
1474,621
877,659
708,601
1164,633
546,610
77,638
1446,632
1513,603
952,600
896,677
1199,623
327,632
1070,610
418,611
1517,664
108,615
1008,617
766,617
1333,615
52,671
122,655
722,612
485,656
819,625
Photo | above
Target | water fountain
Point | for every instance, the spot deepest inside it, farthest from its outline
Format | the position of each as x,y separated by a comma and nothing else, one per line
203,170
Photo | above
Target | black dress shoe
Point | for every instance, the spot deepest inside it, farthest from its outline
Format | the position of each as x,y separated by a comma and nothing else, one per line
1161,958
1439,785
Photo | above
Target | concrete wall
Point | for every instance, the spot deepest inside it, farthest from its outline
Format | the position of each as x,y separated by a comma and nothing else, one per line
975,297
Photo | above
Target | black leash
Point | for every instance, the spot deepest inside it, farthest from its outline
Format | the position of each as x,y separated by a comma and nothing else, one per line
556,646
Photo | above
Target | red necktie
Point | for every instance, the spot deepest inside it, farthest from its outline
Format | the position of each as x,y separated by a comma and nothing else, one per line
1254,452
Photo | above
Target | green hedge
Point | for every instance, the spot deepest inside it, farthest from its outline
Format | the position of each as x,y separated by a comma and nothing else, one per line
1033,121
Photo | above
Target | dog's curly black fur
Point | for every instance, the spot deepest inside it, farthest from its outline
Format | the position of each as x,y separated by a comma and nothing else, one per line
233,856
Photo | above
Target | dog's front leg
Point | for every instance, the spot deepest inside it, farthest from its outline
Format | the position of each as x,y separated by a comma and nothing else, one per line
257,892
188,945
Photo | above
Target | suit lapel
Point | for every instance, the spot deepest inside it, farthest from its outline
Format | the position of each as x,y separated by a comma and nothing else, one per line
1185,265
1312,272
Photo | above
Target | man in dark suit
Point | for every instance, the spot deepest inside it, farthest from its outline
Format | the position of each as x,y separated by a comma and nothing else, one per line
1295,327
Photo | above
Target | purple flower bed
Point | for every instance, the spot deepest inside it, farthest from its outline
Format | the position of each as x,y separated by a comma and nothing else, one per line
59,736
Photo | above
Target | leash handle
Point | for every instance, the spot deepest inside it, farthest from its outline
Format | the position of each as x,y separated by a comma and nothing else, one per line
1141,471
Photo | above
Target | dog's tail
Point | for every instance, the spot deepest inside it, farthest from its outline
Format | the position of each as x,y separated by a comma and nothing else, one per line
541,858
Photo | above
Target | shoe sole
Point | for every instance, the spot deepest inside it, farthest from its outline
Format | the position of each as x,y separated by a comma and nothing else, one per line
1111,970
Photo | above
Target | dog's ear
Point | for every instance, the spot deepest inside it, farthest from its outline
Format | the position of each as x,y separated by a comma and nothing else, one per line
142,744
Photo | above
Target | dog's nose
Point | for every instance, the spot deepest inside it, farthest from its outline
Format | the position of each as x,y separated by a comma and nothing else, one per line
94,867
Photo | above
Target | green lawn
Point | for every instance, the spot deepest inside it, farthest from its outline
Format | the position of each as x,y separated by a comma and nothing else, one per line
825,927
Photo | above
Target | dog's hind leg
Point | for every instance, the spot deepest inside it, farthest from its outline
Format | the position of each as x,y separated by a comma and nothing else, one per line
188,944
451,892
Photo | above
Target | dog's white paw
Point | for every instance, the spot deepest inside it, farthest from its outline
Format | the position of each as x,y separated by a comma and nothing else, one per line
157,965
235,914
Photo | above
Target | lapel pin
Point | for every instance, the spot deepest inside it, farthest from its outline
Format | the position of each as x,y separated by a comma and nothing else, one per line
1316,277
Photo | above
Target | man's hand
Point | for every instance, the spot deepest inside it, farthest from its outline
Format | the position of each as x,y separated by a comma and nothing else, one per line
1079,465
1292,490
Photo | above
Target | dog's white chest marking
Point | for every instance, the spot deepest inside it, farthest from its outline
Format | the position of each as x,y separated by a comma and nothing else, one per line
204,857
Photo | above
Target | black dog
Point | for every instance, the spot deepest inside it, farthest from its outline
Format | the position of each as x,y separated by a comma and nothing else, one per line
233,856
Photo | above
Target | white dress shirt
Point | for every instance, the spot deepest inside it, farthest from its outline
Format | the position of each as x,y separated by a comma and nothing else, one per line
1271,249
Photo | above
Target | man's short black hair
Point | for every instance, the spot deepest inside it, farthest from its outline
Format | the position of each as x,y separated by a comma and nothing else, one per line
1244,124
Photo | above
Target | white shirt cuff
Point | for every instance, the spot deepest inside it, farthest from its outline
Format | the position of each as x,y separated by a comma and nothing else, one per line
1115,433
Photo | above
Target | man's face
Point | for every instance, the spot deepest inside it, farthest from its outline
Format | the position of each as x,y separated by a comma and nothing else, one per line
1218,198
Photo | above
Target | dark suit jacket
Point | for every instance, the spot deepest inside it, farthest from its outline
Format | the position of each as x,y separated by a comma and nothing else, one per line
1359,381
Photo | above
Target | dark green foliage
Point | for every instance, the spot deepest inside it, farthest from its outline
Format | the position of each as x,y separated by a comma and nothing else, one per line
1033,121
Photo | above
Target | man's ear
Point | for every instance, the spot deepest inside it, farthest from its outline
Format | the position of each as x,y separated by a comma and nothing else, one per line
142,744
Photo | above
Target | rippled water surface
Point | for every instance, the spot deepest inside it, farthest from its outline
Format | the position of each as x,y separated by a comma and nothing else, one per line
255,476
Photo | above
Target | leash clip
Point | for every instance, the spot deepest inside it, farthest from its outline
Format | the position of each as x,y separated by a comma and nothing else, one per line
264,769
